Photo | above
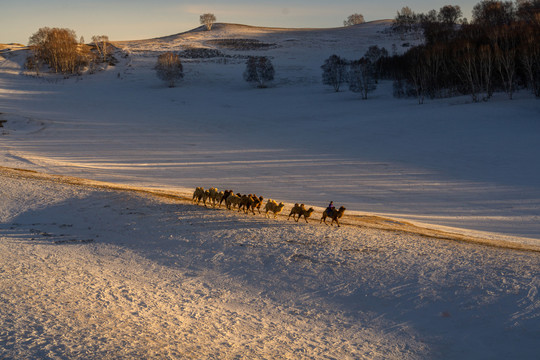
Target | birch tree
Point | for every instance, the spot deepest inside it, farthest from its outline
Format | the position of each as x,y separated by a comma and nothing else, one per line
362,77
59,49
334,72
259,70
101,42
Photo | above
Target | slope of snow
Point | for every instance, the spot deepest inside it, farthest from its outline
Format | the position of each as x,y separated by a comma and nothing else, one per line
93,274
448,162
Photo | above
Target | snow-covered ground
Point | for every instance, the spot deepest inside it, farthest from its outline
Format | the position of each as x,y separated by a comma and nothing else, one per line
94,274
97,273
447,162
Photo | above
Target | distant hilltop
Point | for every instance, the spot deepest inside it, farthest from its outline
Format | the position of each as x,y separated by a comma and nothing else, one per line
11,46
232,30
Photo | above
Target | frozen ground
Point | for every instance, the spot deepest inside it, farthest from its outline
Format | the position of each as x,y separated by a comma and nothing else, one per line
95,273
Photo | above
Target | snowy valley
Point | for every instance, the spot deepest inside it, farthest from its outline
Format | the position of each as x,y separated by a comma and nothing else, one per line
103,255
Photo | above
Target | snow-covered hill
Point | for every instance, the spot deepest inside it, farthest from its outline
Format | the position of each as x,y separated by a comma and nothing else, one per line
99,273
342,38
448,162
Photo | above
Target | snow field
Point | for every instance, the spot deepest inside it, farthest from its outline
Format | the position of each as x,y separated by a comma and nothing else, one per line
447,162
90,273
94,274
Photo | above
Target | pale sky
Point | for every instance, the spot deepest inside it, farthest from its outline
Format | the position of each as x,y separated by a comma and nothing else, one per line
143,19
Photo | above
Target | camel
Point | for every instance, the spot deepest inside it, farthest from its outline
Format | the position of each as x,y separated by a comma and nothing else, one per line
232,200
250,202
218,197
257,205
274,207
306,214
198,194
224,197
334,215
296,210
213,194
206,197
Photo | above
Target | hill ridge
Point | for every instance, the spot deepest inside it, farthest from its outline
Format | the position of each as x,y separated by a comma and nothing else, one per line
221,27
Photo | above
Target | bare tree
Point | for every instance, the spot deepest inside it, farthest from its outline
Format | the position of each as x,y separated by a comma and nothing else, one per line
450,15
467,65
499,50
375,54
59,49
208,20
486,64
259,69
334,72
505,49
354,19
101,42
405,20
362,77
528,11
494,13
37,44
529,54
169,68
406,12
418,72
434,65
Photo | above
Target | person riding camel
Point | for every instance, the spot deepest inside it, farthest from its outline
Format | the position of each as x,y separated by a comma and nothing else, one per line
330,208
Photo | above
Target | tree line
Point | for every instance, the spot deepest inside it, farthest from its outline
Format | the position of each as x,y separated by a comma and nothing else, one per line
498,50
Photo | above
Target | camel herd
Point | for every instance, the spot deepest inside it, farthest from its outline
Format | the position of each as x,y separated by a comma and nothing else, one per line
251,202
